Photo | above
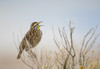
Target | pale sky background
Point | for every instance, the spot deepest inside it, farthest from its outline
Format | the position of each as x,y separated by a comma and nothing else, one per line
17,15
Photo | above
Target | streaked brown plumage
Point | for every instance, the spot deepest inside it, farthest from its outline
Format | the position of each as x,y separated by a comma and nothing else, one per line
33,36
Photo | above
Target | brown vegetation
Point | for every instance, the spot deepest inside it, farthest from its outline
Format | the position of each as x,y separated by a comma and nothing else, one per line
67,55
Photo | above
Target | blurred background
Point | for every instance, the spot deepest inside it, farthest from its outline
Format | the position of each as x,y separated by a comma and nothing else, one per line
16,17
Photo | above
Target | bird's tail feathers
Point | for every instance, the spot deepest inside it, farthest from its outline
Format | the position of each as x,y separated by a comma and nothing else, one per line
19,54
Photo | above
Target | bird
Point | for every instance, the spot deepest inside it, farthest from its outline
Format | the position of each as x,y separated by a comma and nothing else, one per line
33,37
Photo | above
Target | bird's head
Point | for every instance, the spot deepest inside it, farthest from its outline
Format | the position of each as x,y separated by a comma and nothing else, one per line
35,25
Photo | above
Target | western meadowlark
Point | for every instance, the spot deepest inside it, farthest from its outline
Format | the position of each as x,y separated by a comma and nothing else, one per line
33,36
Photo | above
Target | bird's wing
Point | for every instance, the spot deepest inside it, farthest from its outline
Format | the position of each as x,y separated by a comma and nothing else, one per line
30,35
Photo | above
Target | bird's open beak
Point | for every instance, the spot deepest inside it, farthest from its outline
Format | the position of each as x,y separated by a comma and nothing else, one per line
40,23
